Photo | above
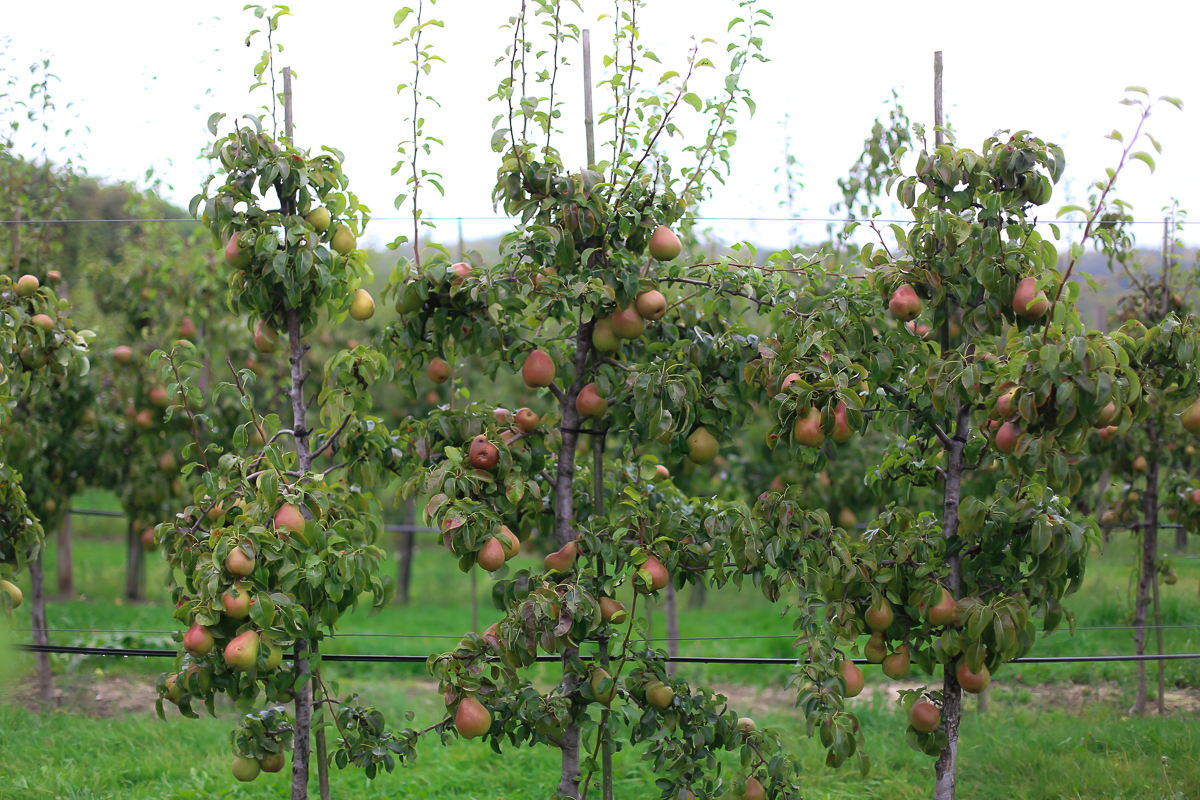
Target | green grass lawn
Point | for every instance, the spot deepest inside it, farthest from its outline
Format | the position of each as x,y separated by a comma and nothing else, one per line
1028,746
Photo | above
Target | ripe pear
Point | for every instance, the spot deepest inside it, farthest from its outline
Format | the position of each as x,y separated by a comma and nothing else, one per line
1106,434
167,462
661,473
122,354
807,432
408,299
628,323
461,270
438,371
159,397
702,446
13,592
791,378
1106,416
664,244
27,286
603,337
659,695
491,555
746,725
245,769
289,519
187,328
562,560
942,613
275,762
879,616
1140,465
149,543
175,690
242,651
319,218
875,650
239,562
238,250
472,719
42,321
1006,404
896,665
502,416
527,420
1027,302
510,542
362,307
853,676
236,607
659,578
842,432
846,518
265,338
1191,418
606,698
973,682
1007,437
589,403
904,303
344,240
754,790
924,716
538,370
652,305
1172,578
483,454
613,611
198,641
274,653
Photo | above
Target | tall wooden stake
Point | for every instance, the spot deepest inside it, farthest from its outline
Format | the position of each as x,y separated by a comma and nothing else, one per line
588,124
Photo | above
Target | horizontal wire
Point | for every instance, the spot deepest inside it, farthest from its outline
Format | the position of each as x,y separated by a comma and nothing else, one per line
498,219
383,658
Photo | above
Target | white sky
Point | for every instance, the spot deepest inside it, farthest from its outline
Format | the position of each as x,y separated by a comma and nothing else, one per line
144,76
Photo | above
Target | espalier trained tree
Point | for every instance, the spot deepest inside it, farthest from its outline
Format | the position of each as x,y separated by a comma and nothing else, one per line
1011,375
579,307
272,552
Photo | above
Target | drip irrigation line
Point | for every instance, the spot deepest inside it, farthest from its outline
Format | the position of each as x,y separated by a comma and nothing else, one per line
397,659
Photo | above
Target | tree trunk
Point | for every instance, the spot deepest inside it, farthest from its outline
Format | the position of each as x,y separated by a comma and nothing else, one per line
1158,636
1148,575
606,746
135,567
407,545
697,595
1181,540
670,609
947,763
301,745
37,603
322,753
64,561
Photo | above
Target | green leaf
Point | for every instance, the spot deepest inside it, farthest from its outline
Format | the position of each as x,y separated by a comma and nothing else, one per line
1143,156
694,101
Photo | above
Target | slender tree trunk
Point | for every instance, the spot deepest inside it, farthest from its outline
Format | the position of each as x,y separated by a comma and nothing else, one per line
1158,636
135,565
301,745
606,747
37,604
1181,540
670,608
64,561
564,529
697,595
322,754
407,544
1148,575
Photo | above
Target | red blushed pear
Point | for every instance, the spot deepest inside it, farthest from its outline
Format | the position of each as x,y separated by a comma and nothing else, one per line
1194,497
589,403
472,719
27,286
461,270
187,328
973,682
808,431
491,555
239,562
510,542
604,338
659,578
896,665
1027,301
42,321
1191,418
159,397
754,790
1007,437
1106,434
1106,416
652,305
198,641
236,607
853,676
904,303
242,651
791,378
122,354
562,560
628,323
149,543
265,338
438,371
941,613
238,250
879,616
527,420
924,716
847,518
289,518
661,473
1006,404
842,432
483,454
664,244
538,370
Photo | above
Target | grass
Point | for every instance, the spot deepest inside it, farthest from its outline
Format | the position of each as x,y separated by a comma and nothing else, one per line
1025,748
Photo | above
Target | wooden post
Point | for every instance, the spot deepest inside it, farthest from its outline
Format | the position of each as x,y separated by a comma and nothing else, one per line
670,609
1158,636
937,97
460,240
38,623
407,545
64,562
588,124
287,103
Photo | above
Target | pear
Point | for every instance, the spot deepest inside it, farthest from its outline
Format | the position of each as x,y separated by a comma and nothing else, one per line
245,769
664,244
239,562
702,446
896,665
746,725
562,560
1006,405
538,370
198,642
659,578
27,286
1191,418
438,371
628,323
491,555
122,354
149,543
408,299
362,307
274,653
503,416
159,397
236,607
290,520
874,649
973,682
652,305
167,463
842,432
924,716
1106,416
807,432
603,337
754,790
13,592
319,218
527,420
42,321
904,303
187,328
791,378
242,651
510,542
659,695
483,454
606,698
846,518
589,403
661,473
879,616
1140,465
344,240
853,676
275,762
238,250
472,719
943,612
613,611
1007,437
461,270
265,338
1027,302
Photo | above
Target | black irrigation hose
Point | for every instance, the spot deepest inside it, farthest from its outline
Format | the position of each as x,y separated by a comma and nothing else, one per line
393,659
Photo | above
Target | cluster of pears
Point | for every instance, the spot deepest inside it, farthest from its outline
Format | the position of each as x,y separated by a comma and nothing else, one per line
247,768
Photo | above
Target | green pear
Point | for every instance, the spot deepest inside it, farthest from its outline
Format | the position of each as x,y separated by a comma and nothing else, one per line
242,651
319,218
344,240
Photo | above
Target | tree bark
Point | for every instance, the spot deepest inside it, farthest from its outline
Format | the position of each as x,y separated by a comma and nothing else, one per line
670,609
606,747
37,602
301,745
64,561
1148,575
1158,636
407,545
135,566
697,595
1181,540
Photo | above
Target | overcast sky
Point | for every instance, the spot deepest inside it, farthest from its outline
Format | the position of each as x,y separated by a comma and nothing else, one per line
144,77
